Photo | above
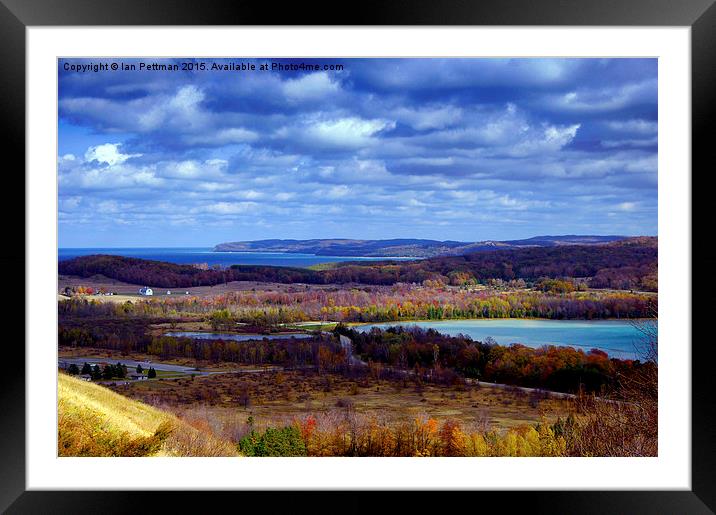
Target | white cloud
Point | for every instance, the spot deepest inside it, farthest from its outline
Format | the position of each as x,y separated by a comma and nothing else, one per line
314,86
637,126
248,194
111,177
646,142
192,169
553,138
187,98
643,164
507,132
224,137
337,192
108,206
471,195
108,153
182,111
350,132
226,208
429,118
69,203
431,161
210,186
183,169
606,99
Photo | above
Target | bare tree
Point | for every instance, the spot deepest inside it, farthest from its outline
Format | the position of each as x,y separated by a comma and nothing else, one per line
626,422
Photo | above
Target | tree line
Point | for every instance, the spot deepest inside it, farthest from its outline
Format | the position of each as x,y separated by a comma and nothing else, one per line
429,354
322,351
265,309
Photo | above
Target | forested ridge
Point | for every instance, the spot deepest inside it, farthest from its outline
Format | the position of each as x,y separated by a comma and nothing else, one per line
627,264
403,246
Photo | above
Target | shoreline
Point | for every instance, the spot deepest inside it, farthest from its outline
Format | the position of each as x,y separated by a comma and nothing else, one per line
432,320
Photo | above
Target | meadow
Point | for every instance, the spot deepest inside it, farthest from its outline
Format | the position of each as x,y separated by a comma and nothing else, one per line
276,398
94,421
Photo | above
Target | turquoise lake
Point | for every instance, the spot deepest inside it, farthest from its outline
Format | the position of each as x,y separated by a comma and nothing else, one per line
618,338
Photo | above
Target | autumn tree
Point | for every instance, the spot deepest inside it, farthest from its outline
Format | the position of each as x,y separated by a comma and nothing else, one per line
452,439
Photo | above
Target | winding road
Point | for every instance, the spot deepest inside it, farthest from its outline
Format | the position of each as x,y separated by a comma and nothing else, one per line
166,367
347,345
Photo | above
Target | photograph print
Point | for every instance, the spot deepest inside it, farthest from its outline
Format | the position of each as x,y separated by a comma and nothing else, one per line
393,257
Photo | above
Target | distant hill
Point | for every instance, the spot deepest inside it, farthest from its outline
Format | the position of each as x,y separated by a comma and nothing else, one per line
624,264
404,247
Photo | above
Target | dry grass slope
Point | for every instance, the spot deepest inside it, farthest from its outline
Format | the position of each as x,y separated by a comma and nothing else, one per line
95,421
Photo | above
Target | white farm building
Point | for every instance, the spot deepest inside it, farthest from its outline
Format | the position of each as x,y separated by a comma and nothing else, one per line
146,291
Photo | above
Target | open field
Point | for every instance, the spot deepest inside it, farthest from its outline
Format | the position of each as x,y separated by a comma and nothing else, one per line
127,291
131,290
275,398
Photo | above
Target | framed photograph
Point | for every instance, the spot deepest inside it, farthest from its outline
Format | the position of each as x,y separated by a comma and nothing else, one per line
434,249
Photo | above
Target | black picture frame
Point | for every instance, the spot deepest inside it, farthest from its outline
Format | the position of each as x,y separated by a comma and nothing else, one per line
700,15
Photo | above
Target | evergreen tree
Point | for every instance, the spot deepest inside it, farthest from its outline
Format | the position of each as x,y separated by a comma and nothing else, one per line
73,369
96,372
139,368
86,369
152,373
108,372
273,442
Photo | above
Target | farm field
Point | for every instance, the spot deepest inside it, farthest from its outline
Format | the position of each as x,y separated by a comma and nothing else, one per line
130,292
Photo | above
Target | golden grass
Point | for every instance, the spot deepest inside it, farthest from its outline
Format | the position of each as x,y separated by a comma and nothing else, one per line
95,421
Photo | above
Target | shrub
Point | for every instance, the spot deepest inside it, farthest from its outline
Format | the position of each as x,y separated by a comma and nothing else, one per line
85,434
344,403
273,442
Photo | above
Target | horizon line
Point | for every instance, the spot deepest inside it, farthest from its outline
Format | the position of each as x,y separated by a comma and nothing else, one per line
359,239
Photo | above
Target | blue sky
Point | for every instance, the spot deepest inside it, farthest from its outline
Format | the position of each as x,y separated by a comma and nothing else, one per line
461,149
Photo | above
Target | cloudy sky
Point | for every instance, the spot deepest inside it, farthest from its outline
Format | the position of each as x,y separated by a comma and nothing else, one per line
461,149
